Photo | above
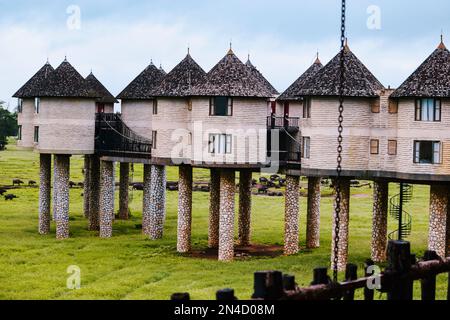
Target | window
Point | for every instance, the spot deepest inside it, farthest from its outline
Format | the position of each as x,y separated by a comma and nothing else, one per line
392,147
306,147
428,109
374,146
19,133
100,108
221,106
375,106
220,143
427,152
306,108
155,106
36,134
154,139
37,104
19,105
393,106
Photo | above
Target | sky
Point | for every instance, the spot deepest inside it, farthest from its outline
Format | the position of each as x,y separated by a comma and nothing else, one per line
118,39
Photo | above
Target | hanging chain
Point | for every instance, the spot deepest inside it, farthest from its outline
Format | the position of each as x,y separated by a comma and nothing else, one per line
338,208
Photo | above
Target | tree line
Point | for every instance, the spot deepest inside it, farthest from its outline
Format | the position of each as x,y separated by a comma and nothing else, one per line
8,125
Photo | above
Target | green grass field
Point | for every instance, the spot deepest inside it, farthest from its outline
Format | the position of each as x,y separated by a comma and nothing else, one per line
129,266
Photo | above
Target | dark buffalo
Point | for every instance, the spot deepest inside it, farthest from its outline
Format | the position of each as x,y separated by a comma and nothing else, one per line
10,197
3,191
32,183
17,182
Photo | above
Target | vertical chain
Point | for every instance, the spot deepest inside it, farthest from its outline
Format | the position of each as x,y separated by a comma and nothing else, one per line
337,184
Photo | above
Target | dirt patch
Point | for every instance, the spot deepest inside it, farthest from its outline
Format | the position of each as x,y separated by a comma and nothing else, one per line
242,253
360,196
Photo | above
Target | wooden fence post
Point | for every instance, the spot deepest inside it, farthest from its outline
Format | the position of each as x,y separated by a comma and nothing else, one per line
351,273
428,284
225,295
368,293
321,276
180,297
268,285
399,263
289,282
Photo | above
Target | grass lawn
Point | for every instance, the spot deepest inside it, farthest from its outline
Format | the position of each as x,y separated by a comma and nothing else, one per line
129,266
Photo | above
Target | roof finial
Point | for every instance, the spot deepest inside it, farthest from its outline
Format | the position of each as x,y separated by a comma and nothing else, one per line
346,47
231,47
442,45
65,58
189,48
317,58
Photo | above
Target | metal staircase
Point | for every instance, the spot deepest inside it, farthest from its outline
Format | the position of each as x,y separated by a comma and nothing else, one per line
397,212
114,138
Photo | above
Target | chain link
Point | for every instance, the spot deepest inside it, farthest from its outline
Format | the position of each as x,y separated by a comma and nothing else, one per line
338,209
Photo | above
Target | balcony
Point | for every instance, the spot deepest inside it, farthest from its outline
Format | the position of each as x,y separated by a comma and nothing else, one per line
288,123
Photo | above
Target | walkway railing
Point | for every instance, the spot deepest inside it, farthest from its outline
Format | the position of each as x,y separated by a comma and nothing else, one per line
274,122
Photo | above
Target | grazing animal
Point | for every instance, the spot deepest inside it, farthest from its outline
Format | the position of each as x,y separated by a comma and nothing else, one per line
17,182
81,185
31,183
254,182
282,183
261,189
72,184
275,178
263,180
2,192
138,186
10,197
172,188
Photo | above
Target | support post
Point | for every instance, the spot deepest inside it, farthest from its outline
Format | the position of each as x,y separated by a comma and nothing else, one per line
106,199
86,185
291,229
62,171
124,191
214,209
245,206
226,224
45,193
399,263
313,213
184,209
343,230
157,201
439,202
94,199
428,284
146,215
380,220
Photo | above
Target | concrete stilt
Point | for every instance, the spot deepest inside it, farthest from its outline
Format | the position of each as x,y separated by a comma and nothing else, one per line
45,193
87,185
94,199
291,229
343,231
106,199
214,209
157,202
245,206
226,220
439,202
62,171
380,220
146,200
124,191
313,213
184,209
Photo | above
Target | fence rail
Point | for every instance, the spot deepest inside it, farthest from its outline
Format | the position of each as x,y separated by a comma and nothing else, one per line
283,122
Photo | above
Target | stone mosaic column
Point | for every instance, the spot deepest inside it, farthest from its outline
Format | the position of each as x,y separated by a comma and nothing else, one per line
214,209
226,219
157,201
313,213
45,168
94,199
184,209
106,198
437,239
62,172
123,191
380,220
55,188
343,231
87,185
292,208
245,206
146,200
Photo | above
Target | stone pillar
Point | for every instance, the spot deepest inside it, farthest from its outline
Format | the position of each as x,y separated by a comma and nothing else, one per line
87,185
106,198
123,191
292,208
184,209
62,172
437,239
343,231
55,188
313,213
214,209
146,200
45,192
94,199
380,220
157,201
245,206
226,219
